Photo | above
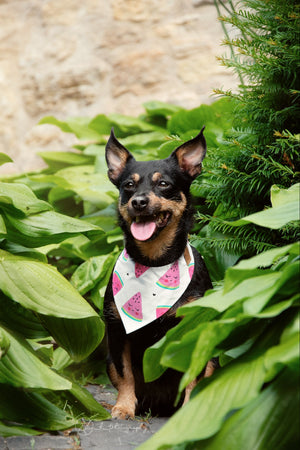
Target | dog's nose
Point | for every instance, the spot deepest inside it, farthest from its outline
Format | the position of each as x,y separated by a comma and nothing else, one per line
140,202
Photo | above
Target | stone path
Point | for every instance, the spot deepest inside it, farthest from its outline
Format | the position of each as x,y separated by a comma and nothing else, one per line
105,435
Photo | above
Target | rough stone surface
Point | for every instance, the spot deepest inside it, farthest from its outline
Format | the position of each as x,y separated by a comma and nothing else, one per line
73,58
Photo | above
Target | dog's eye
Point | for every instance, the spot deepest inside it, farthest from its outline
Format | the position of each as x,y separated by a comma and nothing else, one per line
129,184
163,184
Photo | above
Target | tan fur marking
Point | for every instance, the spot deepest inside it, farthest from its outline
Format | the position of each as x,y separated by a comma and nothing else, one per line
135,177
209,370
124,213
154,249
188,391
156,176
187,256
126,401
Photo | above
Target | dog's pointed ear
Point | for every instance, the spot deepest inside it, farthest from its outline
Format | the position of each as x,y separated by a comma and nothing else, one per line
190,155
117,156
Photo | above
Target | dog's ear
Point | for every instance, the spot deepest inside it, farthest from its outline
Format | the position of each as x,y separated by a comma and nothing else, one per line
117,156
190,155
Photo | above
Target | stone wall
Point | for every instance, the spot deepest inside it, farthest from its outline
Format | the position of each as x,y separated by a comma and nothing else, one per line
73,57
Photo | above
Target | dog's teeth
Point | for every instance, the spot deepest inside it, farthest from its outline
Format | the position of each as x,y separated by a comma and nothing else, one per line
137,219
160,218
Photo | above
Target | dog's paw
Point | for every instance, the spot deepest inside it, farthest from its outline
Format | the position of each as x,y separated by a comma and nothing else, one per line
122,412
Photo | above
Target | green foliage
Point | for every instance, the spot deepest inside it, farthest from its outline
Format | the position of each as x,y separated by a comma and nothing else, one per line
263,149
58,242
38,304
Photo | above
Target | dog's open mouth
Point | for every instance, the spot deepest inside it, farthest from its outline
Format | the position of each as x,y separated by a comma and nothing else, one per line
144,227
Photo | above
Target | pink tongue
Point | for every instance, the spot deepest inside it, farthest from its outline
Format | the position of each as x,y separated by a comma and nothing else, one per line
143,230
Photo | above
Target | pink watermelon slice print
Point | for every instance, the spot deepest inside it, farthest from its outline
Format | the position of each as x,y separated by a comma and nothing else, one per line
140,269
171,279
133,307
161,310
117,283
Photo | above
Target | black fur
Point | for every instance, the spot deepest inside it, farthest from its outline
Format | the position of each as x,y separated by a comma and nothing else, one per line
177,173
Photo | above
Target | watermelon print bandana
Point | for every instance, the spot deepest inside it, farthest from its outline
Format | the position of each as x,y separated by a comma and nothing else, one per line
142,294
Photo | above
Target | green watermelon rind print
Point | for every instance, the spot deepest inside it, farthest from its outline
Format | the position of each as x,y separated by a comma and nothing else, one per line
125,255
130,316
171,288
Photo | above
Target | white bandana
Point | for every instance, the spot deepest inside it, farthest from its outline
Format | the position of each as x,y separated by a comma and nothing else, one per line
142,293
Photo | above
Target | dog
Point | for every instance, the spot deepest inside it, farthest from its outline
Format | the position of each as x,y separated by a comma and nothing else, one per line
157,272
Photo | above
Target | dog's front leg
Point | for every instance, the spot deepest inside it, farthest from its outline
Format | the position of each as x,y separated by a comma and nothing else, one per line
126,401
209,370
188,391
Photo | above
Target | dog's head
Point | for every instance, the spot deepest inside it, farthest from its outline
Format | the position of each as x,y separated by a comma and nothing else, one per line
153,194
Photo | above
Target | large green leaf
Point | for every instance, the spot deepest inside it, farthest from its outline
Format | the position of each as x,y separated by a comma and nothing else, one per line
123,125
59,160
270,421
143,141
281,196
79,337
101,124
210,335
32,409
20,367
152,357
19,199
14,430
84,181
46,228
18,249
248,268
91,272
218,116
263,286
77,125
4,343
286,208
273,218
22,320
2,227
86,402
41,288
66,315
61,359
158,108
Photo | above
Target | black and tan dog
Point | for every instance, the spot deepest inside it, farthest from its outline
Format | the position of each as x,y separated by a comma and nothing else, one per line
156,216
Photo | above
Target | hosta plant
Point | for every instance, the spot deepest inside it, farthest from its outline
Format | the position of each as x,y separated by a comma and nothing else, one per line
38,305
251,322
